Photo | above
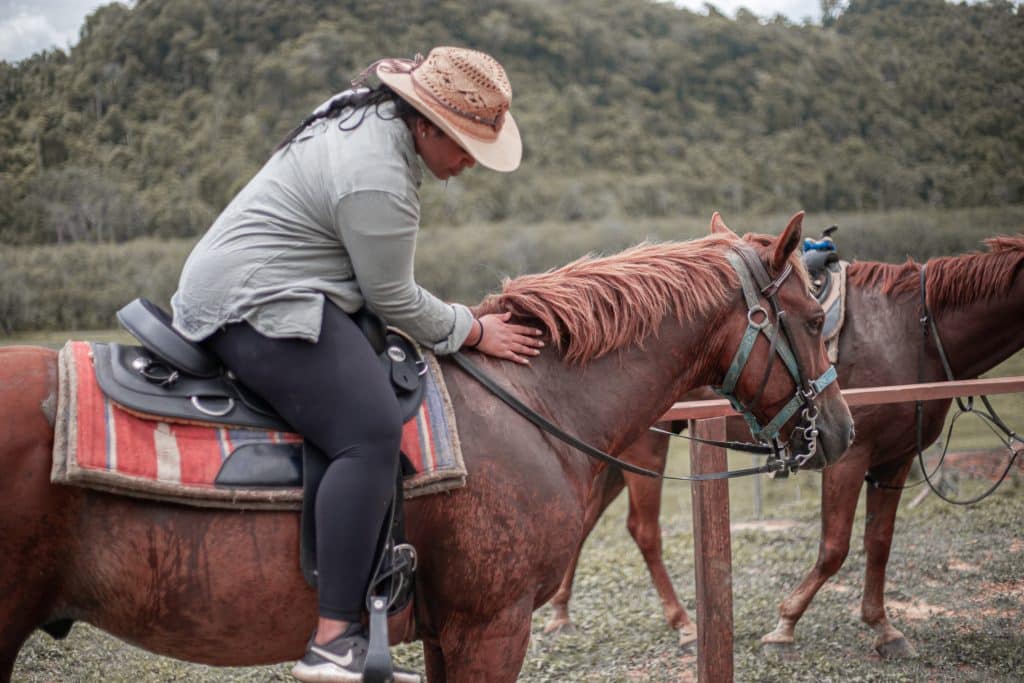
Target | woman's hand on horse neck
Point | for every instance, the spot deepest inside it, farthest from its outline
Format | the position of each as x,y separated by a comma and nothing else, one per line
496,336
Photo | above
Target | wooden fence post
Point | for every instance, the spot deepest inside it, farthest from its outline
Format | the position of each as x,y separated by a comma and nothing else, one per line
712,545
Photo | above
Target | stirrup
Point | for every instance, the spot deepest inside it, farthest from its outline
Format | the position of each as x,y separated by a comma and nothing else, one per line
378,668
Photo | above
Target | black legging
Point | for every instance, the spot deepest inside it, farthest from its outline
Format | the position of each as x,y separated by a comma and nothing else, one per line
336,394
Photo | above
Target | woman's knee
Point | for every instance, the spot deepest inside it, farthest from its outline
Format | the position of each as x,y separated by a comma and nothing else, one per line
376,435
366,469
383,442
382,428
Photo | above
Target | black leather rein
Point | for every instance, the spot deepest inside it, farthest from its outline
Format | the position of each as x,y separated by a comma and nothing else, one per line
544,424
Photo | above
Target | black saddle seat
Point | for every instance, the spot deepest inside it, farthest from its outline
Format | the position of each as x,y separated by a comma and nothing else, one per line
151,325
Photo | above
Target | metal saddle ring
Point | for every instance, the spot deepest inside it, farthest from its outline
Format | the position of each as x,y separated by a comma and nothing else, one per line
195,400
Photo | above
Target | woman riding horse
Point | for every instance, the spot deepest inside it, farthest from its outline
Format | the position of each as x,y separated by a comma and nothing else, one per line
327,227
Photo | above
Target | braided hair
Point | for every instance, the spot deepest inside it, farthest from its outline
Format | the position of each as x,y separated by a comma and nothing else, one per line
353,103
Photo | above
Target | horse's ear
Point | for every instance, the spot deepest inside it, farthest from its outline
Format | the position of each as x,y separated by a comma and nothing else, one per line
718,226
788,241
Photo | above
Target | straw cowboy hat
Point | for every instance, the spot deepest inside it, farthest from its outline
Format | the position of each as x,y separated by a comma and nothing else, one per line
463,92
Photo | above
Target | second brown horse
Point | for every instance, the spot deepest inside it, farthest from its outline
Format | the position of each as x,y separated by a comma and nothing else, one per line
977,301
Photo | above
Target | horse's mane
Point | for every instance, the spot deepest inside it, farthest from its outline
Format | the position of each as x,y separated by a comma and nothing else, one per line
953,281
595,305
894,279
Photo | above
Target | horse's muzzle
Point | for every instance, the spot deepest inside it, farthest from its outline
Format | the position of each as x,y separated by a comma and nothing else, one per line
835,431
834,435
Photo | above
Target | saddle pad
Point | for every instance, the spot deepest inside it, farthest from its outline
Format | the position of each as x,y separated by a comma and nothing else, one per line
835,310
100,445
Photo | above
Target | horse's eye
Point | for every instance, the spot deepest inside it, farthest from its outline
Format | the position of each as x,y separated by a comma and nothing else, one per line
816,323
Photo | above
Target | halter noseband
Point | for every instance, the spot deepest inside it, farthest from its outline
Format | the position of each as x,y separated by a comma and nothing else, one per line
750,270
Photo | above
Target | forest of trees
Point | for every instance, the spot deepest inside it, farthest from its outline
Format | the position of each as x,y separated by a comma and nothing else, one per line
163,110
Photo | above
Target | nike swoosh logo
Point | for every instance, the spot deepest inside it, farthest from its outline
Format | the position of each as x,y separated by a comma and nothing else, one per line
331,657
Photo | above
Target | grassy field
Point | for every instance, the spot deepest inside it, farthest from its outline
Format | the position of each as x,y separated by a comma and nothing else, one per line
955,587
80,286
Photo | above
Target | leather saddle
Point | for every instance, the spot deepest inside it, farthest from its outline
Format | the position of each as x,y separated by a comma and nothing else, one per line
173,377
820,266
827,274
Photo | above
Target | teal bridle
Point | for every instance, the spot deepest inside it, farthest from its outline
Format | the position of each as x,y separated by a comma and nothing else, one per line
757,284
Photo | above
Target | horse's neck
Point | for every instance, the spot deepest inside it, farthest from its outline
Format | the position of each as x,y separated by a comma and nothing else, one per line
883,342
611,401
979,336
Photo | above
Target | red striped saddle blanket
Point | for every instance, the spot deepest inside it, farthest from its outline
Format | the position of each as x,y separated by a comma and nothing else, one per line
98,444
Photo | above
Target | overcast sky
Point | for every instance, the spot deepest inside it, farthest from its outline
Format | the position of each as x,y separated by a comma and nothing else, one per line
30,26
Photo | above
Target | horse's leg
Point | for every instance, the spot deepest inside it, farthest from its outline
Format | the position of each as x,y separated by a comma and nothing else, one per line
644,511
33,578
34,526
433,659
878,531
608,485
11,640
19,615
486,651
25,605
8,653
841,484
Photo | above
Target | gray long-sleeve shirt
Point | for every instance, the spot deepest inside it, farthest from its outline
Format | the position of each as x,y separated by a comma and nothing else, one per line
334,214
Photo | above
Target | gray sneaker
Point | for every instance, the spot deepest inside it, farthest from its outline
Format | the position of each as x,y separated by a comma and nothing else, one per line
341,661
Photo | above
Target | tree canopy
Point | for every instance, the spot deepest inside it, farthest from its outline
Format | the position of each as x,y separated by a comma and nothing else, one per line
162,111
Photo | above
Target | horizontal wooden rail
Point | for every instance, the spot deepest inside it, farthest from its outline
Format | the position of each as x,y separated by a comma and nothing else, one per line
697,410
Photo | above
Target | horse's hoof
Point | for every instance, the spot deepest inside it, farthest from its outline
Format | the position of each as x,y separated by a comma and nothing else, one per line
688,636
777,645
780,636
779,650
560,628
898,648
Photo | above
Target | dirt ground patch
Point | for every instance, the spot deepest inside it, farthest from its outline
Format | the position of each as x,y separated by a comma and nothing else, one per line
913,610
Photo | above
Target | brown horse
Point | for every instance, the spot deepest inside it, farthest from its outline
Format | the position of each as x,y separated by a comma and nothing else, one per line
978,303
224,587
